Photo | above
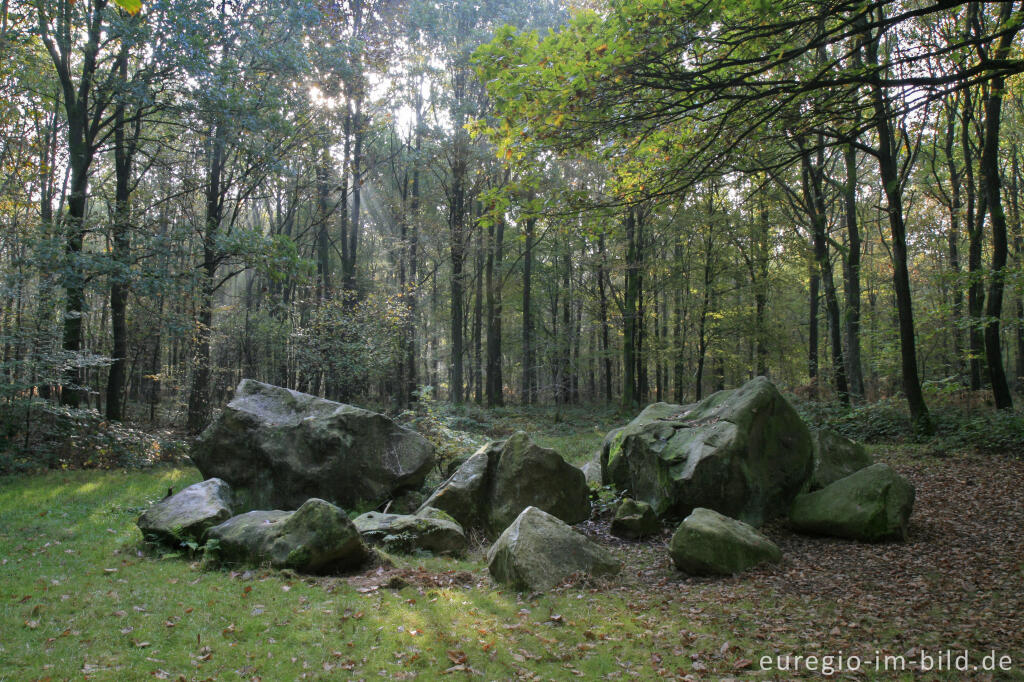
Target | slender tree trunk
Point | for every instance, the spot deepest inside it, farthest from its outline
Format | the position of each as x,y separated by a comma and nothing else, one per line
603,314
629,314
953,238
991,180
976,208
852,274
678,323
495,381
323,250
199,395
476,370
528,393
889,172
120,241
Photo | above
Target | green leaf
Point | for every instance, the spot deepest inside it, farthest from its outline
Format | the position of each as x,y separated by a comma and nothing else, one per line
130,6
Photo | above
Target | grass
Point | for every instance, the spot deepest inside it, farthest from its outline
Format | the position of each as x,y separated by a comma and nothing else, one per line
81,595
78,594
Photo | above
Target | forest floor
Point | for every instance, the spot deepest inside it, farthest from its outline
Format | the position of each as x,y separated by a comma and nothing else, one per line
81,596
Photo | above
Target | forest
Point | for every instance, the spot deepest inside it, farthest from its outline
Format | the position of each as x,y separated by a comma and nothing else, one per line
675,339
507,203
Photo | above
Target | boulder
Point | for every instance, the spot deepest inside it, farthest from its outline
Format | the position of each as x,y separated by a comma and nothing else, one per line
278,448
744,452
835,457
187,514
538,551
316,538
592,471
504,477
634,519
432,531
708,543
872,504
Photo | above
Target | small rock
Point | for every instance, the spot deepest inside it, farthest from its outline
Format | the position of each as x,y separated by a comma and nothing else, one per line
708,543
634,519
315,538
538,551
187,514
872,504
432,531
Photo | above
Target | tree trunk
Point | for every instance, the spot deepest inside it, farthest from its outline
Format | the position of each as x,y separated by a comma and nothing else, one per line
976,208
629,315
495,382
603,314
529,388
989,168
121,246
889,172
199,395
852,276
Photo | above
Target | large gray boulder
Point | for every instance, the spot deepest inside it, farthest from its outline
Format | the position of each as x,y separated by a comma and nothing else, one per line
538,551
872,504
316,538
708,543
745,453
187,514
432,531
835,457
504,477
278,448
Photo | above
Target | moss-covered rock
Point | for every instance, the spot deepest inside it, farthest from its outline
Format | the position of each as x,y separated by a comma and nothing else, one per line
538,551
634,519
835,457
872,504
745,453
504,477
432,531
316,538
708,543
187,514
278,448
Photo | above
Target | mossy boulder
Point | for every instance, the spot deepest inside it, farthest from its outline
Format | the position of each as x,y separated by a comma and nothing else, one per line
278,448
873,504
744,452
634,519
835,457
709,543
538,551
504,477
188,513
432,531
316,538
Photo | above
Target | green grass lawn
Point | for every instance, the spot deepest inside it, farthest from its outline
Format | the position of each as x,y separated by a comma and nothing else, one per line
81,595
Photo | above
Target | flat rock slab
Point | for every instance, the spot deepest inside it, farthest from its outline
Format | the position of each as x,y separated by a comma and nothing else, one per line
708,543
431,531
745,453
188,513
538,551
504,477
873,504
316,538
278,448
